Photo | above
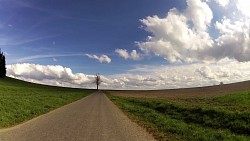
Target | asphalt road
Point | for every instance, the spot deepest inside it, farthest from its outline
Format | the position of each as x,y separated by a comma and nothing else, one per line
93,118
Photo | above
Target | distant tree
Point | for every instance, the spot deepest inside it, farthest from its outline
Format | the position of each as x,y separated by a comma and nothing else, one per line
2,65
221,83
97,81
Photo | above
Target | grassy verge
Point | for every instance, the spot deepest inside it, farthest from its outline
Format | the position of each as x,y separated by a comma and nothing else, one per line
185,120
21,101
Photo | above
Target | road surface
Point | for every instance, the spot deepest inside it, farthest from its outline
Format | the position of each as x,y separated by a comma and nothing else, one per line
93,118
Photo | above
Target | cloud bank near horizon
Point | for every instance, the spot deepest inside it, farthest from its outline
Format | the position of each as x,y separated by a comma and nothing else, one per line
140,77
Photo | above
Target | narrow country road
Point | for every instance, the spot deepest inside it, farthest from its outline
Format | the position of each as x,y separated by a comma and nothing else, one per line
93,118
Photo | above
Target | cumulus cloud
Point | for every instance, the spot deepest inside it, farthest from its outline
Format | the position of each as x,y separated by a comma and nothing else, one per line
151,77
233,42
184,36
199,13
243,6
101,59
123,53
206,72
173,38
126,55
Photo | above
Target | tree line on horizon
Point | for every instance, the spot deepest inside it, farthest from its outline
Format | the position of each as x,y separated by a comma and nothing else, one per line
2,65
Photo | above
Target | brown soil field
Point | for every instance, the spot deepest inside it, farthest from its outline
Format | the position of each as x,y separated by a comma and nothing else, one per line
199,92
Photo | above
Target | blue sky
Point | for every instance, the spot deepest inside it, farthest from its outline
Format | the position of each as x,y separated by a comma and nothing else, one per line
130,39
44,27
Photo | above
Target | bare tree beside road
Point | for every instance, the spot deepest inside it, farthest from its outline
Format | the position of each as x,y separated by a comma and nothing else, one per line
97,81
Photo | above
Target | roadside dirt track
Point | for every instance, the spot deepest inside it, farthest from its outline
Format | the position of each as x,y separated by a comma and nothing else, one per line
93,118
211,91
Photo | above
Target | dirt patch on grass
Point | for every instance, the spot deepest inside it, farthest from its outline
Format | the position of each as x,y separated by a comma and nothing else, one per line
201,92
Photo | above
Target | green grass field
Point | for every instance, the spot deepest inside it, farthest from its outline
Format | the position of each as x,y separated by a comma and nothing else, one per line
221,118
21,101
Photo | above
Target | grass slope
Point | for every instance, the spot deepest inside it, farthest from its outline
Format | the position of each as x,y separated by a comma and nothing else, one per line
21,101
220,118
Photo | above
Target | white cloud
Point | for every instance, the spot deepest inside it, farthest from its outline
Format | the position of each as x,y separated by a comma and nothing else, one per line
223,3
134,55
243,6
102,59
206,72
179,76
234,40
199,13
151,77
124,54
173,38
185,36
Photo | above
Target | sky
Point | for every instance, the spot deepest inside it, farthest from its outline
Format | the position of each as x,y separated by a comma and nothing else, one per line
142,44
